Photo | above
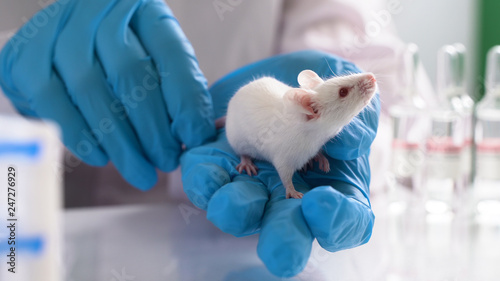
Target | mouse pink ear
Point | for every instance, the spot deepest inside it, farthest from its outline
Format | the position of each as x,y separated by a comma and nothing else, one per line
309,79
305,100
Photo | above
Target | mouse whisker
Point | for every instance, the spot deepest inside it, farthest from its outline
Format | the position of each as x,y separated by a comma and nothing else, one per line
327,63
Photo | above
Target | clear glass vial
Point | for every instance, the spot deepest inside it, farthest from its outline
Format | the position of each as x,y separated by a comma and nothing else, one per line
448,149
443,181
452,91
408,141
487,138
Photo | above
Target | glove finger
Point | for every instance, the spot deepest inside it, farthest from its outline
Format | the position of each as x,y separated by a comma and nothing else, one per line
183,85
133,76
285,240
237,207
21,103
337,221
28,79
89,90
340,217
205,169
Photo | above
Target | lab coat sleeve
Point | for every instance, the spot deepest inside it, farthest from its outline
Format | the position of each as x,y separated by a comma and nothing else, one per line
363,32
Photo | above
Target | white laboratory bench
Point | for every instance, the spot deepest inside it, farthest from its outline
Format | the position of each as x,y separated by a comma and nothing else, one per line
156,242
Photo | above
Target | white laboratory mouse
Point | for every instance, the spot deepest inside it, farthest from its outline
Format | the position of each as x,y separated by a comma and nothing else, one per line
269,120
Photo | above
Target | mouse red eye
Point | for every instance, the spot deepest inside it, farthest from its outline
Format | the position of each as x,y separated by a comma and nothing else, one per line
343,92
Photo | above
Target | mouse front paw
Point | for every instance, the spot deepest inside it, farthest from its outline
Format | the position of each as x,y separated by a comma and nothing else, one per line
247,165
294,194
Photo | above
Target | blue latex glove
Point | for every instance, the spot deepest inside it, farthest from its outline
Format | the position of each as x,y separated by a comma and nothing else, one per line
335,208
119,77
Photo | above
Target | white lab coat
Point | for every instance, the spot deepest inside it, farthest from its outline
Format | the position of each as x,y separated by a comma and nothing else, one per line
229,34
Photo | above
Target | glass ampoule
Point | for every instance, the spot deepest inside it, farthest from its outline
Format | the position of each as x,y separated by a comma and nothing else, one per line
487,138
443,178
448,151
452,88
408,140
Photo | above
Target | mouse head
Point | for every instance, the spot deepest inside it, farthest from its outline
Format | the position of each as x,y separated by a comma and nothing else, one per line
339,98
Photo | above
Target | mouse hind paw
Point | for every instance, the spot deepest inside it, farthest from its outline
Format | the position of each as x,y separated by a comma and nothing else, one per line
294,194
324,165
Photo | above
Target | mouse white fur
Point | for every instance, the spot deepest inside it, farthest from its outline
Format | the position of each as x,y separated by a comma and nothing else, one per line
269,120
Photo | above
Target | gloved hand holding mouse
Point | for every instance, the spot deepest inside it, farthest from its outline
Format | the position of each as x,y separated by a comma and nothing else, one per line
111,73
118,76
335,208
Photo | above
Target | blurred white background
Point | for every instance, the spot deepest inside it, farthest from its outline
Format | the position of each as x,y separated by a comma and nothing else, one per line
421,22
439,23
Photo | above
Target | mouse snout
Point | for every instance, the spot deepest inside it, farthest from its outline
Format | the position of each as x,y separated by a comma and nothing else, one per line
367,84
371,77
